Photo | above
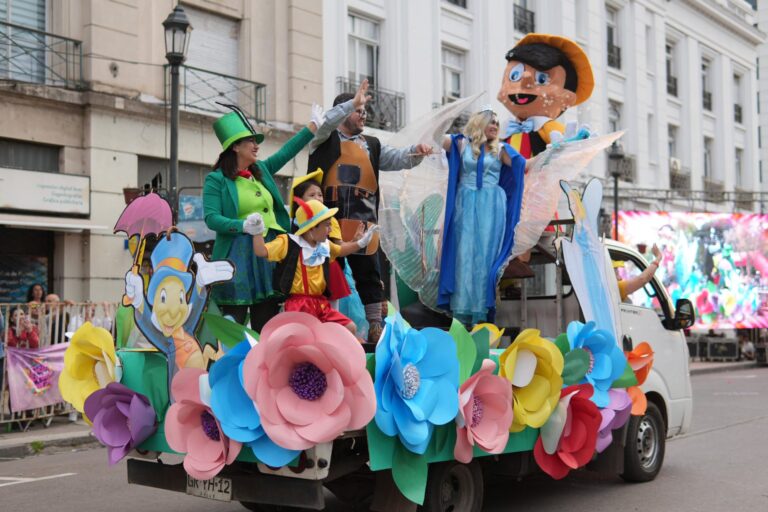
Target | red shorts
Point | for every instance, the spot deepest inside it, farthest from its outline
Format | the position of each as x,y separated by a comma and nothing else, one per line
337,282
317,306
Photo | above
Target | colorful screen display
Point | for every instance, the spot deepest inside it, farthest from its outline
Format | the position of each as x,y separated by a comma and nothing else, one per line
719,261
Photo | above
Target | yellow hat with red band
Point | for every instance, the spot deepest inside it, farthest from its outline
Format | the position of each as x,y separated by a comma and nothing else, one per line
316,176
171,258
311,213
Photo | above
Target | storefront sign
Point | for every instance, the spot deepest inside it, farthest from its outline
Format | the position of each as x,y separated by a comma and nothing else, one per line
45,192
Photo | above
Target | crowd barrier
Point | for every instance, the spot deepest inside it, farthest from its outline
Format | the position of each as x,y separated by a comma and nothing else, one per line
49,324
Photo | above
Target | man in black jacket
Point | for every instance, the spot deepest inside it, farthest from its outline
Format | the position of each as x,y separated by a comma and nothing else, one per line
351,163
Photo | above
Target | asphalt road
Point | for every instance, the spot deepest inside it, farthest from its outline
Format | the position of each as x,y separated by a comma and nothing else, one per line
721,465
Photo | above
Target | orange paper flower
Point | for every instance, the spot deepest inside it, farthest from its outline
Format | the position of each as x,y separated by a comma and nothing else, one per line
640,359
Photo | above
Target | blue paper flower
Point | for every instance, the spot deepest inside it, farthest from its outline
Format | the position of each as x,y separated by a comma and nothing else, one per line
236,412
417,382
606,360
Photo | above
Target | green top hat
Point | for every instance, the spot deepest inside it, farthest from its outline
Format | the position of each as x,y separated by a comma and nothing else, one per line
232,127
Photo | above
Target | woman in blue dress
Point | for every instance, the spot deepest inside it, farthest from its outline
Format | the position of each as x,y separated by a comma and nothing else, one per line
485,189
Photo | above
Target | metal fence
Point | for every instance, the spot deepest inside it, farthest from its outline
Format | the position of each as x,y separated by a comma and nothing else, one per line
29,55
386,109
204,90
47,324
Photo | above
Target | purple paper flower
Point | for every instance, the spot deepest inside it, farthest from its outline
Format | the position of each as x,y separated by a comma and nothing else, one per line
615,415
122,419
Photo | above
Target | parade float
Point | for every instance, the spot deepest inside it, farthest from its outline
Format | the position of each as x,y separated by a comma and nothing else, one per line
270,419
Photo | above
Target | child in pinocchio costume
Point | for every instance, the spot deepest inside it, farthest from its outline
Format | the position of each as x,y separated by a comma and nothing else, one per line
544,77
304,259
307,188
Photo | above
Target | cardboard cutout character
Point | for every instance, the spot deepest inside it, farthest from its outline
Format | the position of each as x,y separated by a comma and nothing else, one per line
175,300
544,77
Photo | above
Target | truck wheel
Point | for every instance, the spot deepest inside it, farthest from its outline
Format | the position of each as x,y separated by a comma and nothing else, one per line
454,487
644,451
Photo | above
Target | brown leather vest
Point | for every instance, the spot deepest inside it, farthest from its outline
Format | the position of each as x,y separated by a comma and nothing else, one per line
350,185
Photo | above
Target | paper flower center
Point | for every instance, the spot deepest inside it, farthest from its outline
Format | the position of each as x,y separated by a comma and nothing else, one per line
308,381
411,381
210,427
477,411
591,359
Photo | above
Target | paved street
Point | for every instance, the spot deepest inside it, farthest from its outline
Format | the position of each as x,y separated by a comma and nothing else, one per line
719,466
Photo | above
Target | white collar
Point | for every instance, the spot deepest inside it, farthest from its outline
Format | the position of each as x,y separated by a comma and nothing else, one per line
308,250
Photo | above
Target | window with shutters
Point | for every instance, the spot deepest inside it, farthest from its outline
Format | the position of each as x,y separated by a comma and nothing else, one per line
22,52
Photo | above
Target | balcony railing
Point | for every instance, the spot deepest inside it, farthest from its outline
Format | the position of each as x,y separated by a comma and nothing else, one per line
525,20
672,85
386,109
737,113
29,55
204,90
680,181
743,199
706,100
614,56
714,191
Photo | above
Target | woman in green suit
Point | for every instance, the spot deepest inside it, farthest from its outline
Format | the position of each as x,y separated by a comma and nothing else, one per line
239,185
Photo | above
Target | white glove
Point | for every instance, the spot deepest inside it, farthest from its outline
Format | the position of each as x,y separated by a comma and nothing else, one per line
254,224
134,289
209,272
366,238
318,115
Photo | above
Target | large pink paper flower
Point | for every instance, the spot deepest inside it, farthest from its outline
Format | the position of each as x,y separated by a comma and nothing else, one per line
308,381
191,428
485,413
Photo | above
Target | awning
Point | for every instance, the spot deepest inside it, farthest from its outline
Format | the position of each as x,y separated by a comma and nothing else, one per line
69,225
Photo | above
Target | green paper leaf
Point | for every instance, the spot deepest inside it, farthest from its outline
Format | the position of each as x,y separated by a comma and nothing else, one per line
627,378
409,471
482,339
562,343
465,350
229,333
576,366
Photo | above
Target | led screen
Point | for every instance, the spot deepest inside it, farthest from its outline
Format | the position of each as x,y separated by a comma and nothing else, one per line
719,261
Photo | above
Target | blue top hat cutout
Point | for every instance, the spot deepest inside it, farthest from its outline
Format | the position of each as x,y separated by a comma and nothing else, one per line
170,258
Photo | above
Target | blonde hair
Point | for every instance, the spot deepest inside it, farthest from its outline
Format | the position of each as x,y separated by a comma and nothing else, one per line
474,130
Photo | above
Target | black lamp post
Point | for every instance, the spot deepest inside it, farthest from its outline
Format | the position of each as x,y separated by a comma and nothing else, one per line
177,29
616,155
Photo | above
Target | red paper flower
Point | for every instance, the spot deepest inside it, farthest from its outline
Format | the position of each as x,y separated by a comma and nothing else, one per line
568,439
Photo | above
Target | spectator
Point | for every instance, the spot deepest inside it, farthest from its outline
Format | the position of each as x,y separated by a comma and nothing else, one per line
746,347
35,296
22,333
100,315
56,318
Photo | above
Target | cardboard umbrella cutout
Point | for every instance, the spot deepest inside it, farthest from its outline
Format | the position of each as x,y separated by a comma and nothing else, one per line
544,77
171,310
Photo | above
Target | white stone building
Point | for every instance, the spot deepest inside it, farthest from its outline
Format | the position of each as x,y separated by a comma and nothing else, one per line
679,76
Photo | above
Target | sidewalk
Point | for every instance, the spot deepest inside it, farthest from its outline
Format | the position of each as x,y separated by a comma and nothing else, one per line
38,438
62,433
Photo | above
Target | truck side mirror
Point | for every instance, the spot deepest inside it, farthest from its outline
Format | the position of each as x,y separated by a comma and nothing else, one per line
684,314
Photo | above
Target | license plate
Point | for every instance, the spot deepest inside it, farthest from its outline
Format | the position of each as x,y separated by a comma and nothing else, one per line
216,488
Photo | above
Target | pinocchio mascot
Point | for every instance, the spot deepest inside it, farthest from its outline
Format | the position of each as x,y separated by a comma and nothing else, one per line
545,76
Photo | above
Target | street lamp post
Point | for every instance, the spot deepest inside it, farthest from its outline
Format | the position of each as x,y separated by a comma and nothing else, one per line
177,29
616,156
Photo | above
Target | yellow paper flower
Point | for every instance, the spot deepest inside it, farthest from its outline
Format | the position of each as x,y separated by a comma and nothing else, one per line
534,366
89,364
494,333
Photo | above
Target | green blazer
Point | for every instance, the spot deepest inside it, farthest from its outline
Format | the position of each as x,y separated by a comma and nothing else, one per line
220,202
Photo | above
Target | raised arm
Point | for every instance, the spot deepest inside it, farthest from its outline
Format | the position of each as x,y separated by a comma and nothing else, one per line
286,153
632,284
335,116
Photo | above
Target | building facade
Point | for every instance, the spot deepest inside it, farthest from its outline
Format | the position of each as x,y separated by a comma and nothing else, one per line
678,76
84,88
